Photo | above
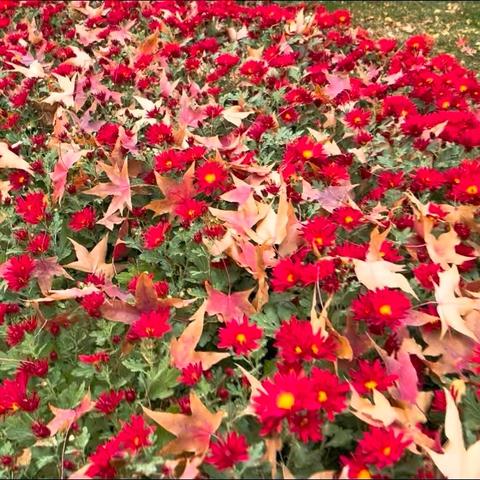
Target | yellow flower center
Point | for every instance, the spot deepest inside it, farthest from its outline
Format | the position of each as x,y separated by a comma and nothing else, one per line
15,406
348,219
322,396
342,18
371,384
168,163
314,349
357,120
403,113
241,338
286,400
385,310
307,154
364,474
149,331
210,177
290,277
387,451
191,212
298,350
319,240
445,104
463,88
472,190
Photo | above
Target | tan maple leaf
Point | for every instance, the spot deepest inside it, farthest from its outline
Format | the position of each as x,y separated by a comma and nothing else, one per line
193,431
93,261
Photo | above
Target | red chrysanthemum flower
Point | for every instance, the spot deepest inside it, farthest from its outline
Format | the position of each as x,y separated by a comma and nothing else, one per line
39,243
297,342
153,324
19,179
32,207
211,176
158,133
330,392
108,402
382,308
285,274
319,231
348,217
356,467
169,160
92,303
306,426
467,190
154,236
371,376
94,358
426,275
14,397
107,134
82,219
358,118
17,271
189,209
426,178
242,337
40,430
382,447
102,459
34,368
228,451
282,396
191,374
135,434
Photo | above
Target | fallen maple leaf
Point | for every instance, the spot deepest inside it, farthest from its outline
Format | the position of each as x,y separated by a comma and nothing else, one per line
182,350
8,159
442,249
44,271
336,85
381,274
93,261
456,461
64,418
193,431
451,308
68,155
228,307
66,95
235,115
119,188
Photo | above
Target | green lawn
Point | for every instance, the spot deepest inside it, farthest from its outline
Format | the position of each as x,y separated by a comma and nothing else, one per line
447,22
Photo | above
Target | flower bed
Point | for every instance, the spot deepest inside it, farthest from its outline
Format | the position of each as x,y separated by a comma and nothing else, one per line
237,240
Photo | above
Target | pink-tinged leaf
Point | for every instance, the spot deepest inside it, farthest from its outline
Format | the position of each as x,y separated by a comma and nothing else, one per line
407,378
329,198
8,159
228,307
240,193
64,418
118,188
68,155
336,85
67,294
187,116
44,271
